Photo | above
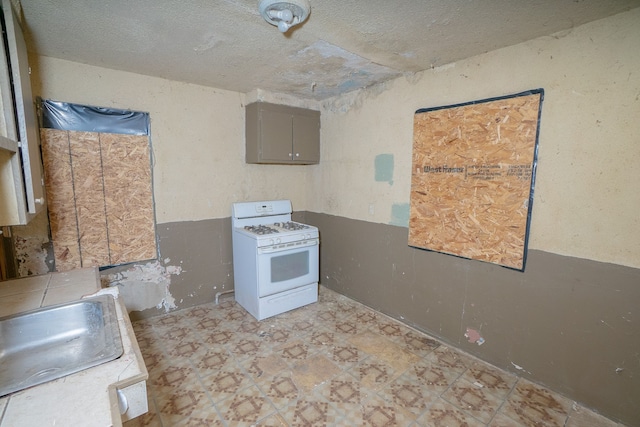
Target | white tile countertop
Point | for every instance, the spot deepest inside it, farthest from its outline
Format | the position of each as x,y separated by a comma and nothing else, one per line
86,398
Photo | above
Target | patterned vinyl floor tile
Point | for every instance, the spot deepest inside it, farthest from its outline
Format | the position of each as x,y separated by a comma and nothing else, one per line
333,363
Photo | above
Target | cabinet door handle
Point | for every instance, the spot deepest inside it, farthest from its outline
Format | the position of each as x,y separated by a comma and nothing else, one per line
297,154
123,405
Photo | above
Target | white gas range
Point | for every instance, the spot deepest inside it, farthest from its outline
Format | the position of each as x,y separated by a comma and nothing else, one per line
275,260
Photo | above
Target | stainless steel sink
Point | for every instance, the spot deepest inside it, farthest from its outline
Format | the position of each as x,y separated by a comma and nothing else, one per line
51,342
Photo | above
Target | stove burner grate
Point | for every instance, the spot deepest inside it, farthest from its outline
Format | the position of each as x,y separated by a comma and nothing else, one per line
290,225
260,229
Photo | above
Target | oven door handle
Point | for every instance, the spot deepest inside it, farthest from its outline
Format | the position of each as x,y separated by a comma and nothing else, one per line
287,246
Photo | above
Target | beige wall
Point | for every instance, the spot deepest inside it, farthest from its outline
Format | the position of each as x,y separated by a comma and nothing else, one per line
586,198
584,205
585,201
197,135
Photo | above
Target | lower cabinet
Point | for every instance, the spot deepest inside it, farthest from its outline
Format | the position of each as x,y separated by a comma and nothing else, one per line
132,401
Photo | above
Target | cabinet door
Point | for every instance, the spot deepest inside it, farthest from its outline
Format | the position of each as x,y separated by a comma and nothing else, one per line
20,166
10,183
275,129
12,200
306,138
25,111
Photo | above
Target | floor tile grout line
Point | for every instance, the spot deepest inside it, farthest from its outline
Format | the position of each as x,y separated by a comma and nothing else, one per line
504,402
427,334
343,314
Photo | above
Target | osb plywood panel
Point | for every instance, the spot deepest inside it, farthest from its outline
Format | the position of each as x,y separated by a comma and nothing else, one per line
99,197
60,198
89,194
128,197
472,178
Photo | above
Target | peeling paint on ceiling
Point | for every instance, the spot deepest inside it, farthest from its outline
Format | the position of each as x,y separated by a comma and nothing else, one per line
336,68
342,47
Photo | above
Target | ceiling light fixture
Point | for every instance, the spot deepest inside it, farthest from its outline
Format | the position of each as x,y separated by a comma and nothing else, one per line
284,14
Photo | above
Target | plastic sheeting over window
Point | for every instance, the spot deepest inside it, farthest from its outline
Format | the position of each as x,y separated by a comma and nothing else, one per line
76,117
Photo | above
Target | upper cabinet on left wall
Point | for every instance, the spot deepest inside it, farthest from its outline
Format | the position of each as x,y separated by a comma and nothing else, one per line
21,183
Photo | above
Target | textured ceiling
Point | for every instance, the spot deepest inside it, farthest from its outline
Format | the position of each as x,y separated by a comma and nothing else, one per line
344,45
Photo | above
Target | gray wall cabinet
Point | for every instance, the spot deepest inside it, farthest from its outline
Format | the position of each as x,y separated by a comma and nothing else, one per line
282,134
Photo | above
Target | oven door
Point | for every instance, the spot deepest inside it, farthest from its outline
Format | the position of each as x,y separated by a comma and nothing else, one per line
281,269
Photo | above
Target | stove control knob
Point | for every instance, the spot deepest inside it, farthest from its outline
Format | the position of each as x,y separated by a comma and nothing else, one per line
271,241
278,241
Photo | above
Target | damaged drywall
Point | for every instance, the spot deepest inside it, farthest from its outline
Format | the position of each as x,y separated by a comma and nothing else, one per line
32,255
203,251
143,286
32,249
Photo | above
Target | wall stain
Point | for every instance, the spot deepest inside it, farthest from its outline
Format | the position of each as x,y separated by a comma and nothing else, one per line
400,214
384,168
